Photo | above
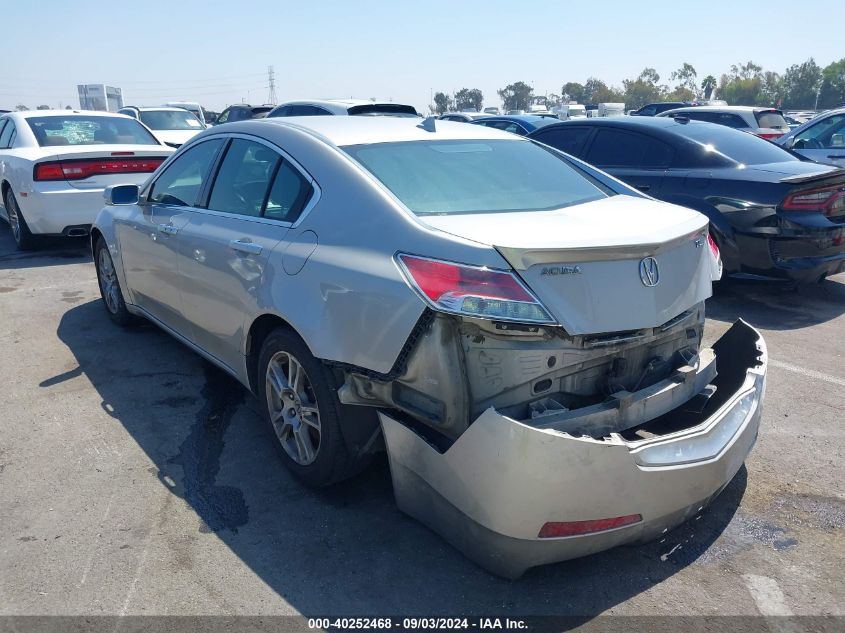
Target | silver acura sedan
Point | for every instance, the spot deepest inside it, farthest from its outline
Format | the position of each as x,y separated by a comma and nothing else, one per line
519,331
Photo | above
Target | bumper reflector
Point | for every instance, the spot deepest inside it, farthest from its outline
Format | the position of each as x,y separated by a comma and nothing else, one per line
555,529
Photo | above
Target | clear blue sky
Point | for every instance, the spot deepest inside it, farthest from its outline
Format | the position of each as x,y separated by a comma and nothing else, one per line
188,50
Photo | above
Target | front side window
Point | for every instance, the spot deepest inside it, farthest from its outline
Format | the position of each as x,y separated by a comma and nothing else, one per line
89,130
826,134
243,179
476,176
181,181
567,139
170,120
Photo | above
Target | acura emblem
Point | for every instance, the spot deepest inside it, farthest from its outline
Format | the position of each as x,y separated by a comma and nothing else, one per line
649,273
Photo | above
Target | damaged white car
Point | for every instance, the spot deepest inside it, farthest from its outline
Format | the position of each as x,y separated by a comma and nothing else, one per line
521,333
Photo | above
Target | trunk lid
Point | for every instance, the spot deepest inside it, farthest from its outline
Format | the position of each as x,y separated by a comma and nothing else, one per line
84,153
591,265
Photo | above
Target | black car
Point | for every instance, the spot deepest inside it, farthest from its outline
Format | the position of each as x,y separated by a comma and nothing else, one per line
771,211
653,109
242,112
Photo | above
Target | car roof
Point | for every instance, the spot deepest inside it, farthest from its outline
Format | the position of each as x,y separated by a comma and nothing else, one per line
155,108
68,113
353,130
520,118
664,124
728,108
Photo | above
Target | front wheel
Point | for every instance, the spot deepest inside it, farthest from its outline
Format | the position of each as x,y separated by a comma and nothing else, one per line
110,290
303,409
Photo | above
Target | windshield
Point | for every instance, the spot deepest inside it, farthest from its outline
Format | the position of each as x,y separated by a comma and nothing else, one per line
478,176
383,109
170,120
733,146
89,130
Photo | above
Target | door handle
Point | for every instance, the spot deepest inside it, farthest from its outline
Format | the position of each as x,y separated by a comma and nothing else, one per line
244,246
643,188
168,229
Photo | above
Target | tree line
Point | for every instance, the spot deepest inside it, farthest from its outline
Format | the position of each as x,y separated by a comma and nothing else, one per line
805,86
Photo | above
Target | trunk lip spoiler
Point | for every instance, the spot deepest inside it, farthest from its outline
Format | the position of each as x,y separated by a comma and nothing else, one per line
836,174
523,259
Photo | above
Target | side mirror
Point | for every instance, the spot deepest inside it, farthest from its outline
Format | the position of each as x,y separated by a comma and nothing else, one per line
122,194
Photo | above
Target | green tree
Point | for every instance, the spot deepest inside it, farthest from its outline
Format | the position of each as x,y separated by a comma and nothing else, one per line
442,102
743,85
21,108
466,98
572,92
516,96
43,107
687,79
801,83
708,85
832,93
644,89
596,91
771,90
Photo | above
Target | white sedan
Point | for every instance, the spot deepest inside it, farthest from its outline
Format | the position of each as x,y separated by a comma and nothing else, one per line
54,166
172,126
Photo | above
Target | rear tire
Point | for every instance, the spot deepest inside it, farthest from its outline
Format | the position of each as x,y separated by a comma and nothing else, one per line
299,401
110,291
24,239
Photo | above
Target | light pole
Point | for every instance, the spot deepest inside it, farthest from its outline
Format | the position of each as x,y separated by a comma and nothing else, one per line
818,92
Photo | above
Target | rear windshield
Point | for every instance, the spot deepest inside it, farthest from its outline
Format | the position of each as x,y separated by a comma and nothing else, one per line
170,120
771,119
476,176
390,109
728,146
89,130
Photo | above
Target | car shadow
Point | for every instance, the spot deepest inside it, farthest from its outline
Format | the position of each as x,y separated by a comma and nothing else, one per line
53,251
775,305
343,550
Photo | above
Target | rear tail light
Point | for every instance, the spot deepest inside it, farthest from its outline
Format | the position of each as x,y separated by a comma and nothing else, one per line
828,200
555,529
81,169
770,136
714,248
472,290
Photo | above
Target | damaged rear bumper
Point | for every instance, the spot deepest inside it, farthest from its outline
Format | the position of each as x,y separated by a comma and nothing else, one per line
492,491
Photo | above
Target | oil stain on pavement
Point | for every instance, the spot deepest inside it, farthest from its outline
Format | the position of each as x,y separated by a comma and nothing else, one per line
219,507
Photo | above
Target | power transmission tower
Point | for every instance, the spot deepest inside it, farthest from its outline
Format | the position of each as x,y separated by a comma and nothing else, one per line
271,75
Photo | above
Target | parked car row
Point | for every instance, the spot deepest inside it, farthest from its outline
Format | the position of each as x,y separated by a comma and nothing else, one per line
545,292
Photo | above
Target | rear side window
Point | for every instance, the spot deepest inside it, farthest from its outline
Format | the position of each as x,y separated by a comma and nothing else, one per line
771,119
721,118
289,194
717,145
243,179
89,130
567,139
6,127
181,181
618,148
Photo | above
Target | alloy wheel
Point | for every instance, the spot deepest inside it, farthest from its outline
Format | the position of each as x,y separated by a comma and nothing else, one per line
108,281
12,209
293,408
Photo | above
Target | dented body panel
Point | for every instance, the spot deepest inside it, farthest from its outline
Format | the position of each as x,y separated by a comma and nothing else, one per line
491,491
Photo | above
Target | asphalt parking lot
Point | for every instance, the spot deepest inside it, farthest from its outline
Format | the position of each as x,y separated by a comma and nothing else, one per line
136,479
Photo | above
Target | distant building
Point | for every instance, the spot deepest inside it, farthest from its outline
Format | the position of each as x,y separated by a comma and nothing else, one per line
100,97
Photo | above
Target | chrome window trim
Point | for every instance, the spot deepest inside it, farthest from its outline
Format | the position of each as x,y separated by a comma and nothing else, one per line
316,192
